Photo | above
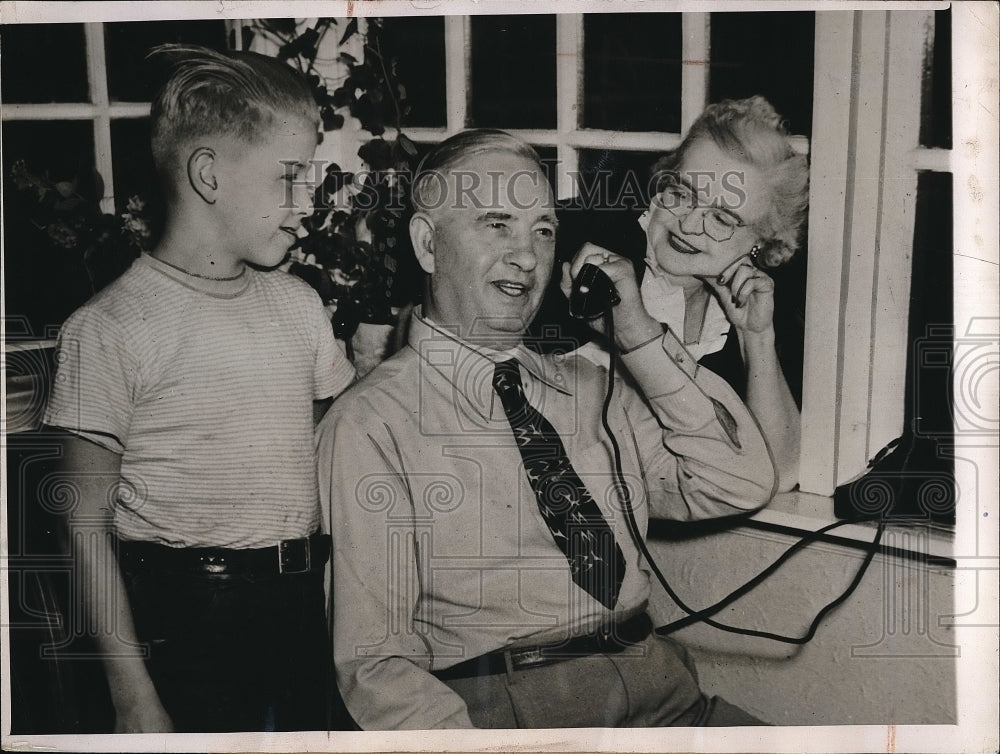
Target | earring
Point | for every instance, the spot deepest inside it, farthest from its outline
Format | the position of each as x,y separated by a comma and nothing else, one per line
755,255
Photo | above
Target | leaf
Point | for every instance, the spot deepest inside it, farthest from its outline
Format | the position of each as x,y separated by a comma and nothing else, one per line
346,57
304,45
331,120
315,277
309,42
335,181
342,97
288,50
407,145
350,31
68,204
377,154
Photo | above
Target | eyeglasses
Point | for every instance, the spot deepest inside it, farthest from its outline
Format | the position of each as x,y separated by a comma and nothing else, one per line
680,199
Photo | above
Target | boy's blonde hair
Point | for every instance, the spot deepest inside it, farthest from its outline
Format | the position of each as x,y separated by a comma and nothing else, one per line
237,94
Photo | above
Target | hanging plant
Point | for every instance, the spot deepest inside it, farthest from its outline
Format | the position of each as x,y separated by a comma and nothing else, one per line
356,249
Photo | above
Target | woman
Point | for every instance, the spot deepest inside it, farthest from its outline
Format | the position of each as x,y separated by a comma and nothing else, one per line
730,202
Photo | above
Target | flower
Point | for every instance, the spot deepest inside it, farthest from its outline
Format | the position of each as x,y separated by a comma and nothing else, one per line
136,224
62,235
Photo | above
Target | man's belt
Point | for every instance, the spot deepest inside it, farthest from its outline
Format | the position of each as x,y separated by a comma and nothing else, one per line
612,640
289,556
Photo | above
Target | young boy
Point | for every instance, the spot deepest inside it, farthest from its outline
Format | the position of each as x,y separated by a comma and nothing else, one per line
189,389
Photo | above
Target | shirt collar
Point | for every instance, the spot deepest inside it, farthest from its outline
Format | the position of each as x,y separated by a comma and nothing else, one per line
665,303
224,288
469,368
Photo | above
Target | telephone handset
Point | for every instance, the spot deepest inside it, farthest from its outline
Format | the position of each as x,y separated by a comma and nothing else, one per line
593,293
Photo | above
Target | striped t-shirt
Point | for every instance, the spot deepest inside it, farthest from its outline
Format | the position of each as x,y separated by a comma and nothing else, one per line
206,390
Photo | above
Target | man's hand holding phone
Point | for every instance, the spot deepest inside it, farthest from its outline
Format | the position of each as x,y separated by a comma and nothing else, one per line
633,325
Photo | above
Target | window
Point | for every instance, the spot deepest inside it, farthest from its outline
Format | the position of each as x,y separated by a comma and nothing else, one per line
579,84
581,91
865,169
578,88
84,107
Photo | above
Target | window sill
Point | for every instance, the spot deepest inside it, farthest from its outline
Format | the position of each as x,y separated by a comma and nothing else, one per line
28,369
800,513
36,344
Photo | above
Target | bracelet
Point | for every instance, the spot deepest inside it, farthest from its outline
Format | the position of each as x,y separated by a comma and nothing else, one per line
658,336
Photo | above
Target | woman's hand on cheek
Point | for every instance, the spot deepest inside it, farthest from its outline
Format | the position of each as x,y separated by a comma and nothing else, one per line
747,297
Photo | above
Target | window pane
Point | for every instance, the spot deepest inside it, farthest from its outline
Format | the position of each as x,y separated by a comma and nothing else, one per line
134,172
45,280
935,104
615,179
921,471
632,71
604,213
416,43
931,308
43,63
60,150
770,54
513,72
550,161
131,78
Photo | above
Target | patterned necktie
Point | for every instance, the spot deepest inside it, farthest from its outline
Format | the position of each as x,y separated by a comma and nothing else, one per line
573,517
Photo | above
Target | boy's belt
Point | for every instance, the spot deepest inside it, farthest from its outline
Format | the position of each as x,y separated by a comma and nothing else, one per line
609,641
287,557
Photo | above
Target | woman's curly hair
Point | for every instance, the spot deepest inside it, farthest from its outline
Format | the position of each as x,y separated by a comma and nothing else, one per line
752,132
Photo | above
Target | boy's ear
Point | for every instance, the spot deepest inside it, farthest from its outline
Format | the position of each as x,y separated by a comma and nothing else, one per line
201,174
422,237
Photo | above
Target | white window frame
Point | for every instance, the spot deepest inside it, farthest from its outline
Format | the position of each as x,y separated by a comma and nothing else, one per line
99,110
569,135
864,166
862,196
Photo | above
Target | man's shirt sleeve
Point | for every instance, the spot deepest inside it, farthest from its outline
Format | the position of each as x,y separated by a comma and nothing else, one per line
718,462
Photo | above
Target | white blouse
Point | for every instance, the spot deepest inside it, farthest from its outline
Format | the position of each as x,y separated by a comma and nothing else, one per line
665,302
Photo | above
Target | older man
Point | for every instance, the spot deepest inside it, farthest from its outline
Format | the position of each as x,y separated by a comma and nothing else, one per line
484,572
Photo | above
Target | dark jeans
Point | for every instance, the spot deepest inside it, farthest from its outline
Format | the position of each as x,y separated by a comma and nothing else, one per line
238,652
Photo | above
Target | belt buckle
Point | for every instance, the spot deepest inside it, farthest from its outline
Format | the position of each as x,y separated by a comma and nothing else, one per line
294,556
529,658
606,639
